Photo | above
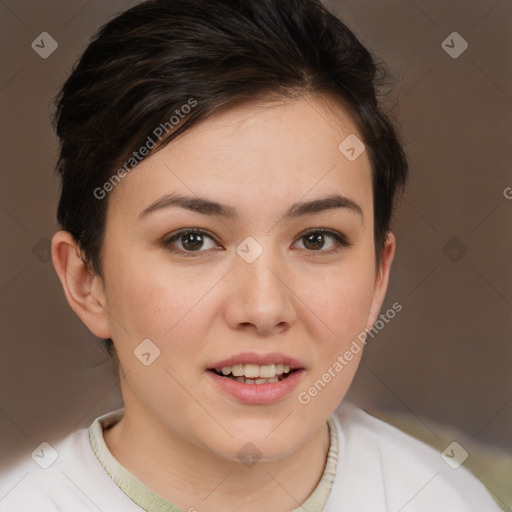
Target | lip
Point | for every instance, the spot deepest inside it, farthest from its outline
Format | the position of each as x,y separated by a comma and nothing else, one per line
260,360
257,394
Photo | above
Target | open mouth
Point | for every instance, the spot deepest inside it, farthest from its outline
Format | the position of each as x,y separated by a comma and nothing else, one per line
253,374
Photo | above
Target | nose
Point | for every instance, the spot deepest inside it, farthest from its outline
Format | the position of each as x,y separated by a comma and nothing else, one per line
261,297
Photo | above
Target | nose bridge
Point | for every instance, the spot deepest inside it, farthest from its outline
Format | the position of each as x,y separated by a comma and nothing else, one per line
261,274
261,295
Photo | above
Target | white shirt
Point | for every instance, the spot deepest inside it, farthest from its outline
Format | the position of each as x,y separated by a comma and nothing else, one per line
377,469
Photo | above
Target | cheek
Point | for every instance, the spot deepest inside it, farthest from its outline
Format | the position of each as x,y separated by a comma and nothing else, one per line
341,308
340,301
167,305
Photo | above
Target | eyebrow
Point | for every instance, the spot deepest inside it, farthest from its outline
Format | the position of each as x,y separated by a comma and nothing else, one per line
207,207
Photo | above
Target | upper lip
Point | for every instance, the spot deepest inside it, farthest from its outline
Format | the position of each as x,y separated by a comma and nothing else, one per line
259,359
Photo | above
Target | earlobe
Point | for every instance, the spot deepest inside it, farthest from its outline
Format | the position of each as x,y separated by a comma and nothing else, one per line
80,284
382,278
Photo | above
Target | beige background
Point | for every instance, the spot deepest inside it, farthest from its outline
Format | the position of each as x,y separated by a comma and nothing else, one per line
446,357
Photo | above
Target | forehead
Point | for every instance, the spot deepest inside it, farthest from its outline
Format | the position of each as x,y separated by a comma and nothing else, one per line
255,154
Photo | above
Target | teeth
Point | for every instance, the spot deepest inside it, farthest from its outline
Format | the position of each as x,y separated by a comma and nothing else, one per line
254,371
268,371
256,381
237,370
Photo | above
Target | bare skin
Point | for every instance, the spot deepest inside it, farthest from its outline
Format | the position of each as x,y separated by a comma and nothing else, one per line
308,300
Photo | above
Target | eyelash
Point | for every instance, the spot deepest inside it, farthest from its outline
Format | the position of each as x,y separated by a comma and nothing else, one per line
340,240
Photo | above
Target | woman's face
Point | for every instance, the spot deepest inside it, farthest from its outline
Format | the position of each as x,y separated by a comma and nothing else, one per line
261,285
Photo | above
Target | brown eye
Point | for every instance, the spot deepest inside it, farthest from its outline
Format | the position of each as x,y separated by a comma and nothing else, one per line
190,240
315,240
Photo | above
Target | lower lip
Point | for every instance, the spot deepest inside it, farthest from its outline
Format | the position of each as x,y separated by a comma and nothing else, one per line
258,394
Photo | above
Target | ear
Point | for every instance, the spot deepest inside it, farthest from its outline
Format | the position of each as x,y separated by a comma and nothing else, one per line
84,290
382,279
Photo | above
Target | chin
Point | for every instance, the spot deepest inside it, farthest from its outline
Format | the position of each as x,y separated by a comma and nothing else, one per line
254,444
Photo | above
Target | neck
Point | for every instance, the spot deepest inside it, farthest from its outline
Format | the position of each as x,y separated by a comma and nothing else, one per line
191,477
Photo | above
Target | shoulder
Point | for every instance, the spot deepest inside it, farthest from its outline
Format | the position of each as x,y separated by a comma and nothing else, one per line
64,476
391,470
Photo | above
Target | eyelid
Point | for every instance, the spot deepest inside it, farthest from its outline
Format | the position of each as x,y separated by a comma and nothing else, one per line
340,239
341,242
337,235
168,239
